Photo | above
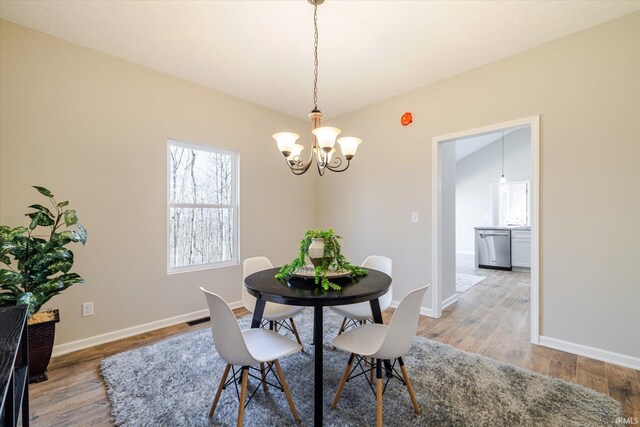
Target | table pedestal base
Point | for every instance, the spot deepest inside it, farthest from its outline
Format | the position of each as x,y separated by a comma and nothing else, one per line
318,406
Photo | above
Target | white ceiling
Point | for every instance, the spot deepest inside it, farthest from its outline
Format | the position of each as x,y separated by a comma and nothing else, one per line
261,51
471,144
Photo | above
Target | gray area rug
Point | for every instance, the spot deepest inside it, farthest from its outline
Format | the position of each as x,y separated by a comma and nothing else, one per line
172,383
464,282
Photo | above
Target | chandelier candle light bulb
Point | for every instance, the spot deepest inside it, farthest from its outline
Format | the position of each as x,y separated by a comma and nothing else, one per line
349,146
286,142
326,137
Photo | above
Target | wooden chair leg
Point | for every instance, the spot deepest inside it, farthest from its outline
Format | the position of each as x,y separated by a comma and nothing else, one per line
343,381
295,332
379,391
416,407
243,394
373,365
287,393
219,392
344,322
264,376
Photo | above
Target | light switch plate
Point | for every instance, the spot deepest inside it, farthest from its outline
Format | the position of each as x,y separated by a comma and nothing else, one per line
415,217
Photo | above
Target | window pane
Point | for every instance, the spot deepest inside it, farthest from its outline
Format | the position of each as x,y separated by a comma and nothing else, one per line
512,200
200,236
199,176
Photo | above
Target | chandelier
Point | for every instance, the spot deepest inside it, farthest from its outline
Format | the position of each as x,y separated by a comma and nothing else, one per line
323,139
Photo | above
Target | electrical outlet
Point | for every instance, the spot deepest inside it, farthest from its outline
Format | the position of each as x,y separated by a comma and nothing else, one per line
87,309
415,217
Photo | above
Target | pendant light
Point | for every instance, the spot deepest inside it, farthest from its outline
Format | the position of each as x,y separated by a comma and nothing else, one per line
503,180
323,139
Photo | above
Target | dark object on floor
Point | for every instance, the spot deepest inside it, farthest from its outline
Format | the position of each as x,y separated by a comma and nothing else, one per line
198,321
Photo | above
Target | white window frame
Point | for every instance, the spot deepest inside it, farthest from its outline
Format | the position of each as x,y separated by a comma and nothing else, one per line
235,205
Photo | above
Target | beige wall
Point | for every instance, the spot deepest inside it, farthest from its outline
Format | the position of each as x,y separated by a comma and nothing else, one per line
93,129
587,90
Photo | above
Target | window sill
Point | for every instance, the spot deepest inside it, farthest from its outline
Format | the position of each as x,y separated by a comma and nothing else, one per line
200,267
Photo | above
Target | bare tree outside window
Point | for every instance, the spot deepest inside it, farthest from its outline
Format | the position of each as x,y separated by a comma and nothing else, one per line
202,206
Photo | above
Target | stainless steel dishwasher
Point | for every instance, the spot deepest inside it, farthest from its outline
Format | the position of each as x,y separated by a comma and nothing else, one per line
493,248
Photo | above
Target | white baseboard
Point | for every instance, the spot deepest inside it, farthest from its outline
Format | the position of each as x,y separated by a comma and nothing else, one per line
83,343
235,304
423,310
579,349
592,352
426,311
448,301
465,252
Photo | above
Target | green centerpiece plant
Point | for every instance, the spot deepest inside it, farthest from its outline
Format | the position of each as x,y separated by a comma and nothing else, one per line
331,259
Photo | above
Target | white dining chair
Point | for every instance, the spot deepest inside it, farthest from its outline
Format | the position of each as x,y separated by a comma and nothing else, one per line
276,316
382,342
246,349
355,314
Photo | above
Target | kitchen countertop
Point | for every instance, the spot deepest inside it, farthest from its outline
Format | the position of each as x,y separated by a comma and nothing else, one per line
497,227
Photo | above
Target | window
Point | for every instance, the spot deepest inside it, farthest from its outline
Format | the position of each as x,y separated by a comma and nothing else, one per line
203,207
511,203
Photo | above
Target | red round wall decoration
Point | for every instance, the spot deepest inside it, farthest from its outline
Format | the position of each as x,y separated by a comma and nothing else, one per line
406,119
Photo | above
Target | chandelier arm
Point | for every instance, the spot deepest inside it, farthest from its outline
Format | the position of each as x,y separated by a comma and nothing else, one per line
299,164
296,164
313,146
300,171
299,167
338,161
337,167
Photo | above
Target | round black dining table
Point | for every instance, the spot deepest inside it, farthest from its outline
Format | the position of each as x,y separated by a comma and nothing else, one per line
304,292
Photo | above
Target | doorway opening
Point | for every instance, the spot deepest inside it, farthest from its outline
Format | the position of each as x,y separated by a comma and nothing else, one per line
486,214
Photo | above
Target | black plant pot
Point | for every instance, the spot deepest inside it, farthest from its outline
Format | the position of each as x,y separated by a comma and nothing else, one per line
42,330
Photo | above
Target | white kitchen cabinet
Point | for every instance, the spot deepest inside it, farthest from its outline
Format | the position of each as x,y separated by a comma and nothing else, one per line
521,248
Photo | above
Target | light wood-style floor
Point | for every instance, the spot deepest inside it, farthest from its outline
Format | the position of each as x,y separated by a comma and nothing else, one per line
491,319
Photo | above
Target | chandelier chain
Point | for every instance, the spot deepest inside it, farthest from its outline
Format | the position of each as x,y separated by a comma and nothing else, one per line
315,56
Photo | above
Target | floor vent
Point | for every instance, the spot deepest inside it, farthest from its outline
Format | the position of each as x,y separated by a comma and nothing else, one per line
198,321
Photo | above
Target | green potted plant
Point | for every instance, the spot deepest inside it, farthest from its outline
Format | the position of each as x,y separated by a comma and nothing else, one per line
323,249
37,267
